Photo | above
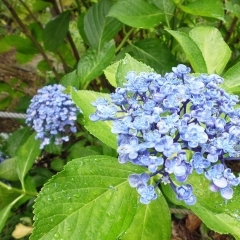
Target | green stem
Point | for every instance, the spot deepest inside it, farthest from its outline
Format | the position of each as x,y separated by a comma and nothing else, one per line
78,6
231,29
124,40
9,188
85,4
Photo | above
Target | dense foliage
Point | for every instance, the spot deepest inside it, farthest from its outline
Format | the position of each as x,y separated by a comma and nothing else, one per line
119,95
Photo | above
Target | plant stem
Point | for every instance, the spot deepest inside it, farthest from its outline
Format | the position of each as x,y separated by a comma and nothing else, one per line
9,188
78,6
231,29
124,40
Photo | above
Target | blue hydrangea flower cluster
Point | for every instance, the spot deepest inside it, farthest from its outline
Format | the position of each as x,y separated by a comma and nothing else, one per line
52,114
159,118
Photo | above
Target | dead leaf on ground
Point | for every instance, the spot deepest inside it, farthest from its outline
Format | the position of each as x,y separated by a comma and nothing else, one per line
21,231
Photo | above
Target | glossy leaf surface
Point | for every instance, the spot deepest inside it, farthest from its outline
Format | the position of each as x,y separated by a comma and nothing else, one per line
98,27
93,62
55,31
101,130
90,199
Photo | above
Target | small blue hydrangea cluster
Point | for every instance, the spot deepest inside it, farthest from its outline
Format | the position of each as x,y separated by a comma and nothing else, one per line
52,114
159,118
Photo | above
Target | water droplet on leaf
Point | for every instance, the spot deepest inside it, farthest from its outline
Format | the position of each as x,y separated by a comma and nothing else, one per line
56,235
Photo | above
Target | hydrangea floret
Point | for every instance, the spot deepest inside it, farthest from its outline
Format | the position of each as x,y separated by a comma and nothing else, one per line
52,114
158,119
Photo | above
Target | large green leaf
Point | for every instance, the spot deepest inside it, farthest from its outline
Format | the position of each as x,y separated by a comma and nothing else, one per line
16,140
101,130
55,31
129,64
220,216
215,51
155,54
5,212
191,50
70,79
136,13
80,25
93,62
205,8
8,170
26,156
90,199
98,27
148,227
232,79
167,8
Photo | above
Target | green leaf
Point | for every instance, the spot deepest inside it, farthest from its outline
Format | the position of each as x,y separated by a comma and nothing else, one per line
98,27
4,46
77,151
220,216
101,130
167,8
70,79
26,156
55,31
136,13
233,8
36,30
155,54
23,58
129,64
40,5
93,62
53,148
43,66
30,186
7,194
232,79
40,175
57,164
8,170
148,227
191,50
215,51
22,45
5,212
205,8
91,193
80,26
110,73
16,140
